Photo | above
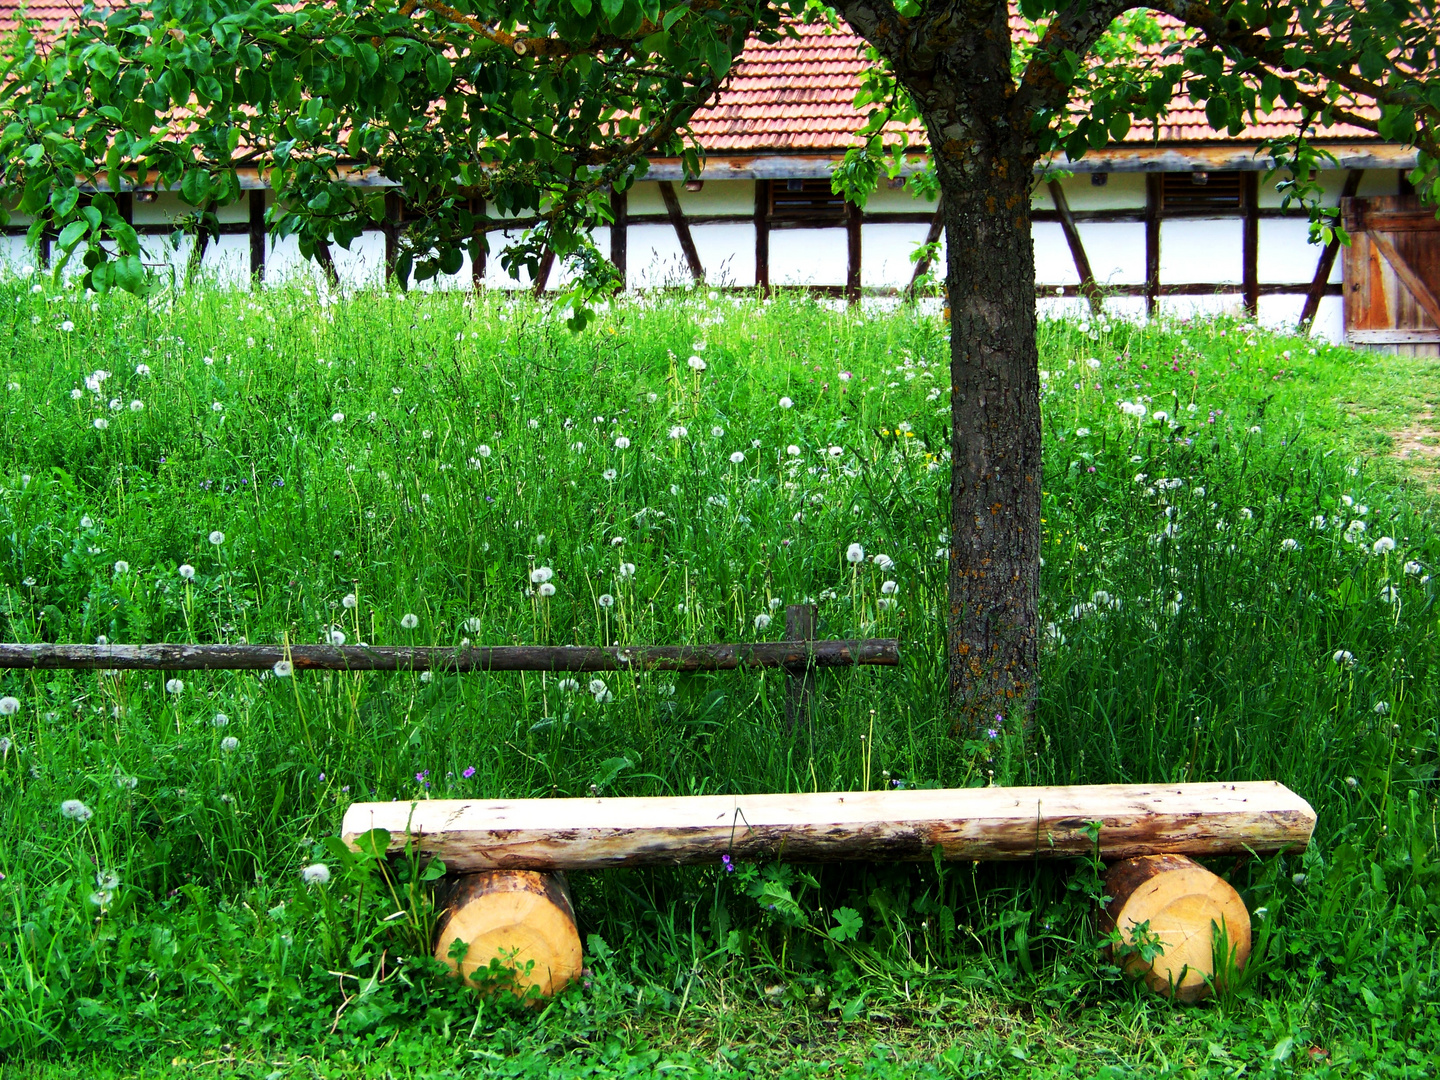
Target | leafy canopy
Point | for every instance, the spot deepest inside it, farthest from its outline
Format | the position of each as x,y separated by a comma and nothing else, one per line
539,108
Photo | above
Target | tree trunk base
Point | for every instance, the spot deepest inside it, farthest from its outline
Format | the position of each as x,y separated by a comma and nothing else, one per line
1173,902
523,918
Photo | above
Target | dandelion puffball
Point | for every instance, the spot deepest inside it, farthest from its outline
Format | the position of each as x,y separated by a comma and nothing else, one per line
890,588
1344,658
541,574
316,874
606,600
786,403
174,686
76,810
762,621
609,474
792,450
884,562
1289,544
217,538
122,567
283,669
622,443
737,458
101,423
855,554
679,431
409,620
627,570
229,744
473,625
697,363
337,418
9,706
1384,544
568,686
336,636
348,601
546,589
186,571
598,687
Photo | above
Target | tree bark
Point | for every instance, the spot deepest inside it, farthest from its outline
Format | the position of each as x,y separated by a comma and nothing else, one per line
959,76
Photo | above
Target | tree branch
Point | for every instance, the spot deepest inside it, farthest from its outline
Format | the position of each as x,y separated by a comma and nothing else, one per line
876,21
1075,29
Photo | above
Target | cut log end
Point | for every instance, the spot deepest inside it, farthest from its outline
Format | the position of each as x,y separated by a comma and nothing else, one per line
1184,910
523,918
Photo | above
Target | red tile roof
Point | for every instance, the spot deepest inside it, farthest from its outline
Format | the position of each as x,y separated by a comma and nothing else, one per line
796,95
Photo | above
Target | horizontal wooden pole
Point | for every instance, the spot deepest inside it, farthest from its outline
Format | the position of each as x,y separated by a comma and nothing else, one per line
964,823
176,657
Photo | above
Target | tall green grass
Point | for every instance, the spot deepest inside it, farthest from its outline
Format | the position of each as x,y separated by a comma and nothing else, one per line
426,454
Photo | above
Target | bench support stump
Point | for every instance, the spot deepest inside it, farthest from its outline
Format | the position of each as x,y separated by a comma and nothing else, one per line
523,917
1186,907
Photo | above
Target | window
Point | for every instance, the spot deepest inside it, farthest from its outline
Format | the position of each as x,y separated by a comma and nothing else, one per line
805,200
1195,191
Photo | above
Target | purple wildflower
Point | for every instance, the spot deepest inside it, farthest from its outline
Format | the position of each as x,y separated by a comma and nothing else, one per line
729,866
469,772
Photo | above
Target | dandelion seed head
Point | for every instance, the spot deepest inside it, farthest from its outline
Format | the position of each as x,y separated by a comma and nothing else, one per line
315,874
229,744
546,589
217,538
762,621
855,554
541,574
283,669
409,620
9,706
186,571
75,810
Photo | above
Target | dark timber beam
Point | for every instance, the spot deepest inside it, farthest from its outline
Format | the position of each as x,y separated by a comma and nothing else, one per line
922,264
1077,248
542,275
1250,242
391,227
479,256
620,235
852,253
762,236
257,235
1326,262
327,263
1152,242
682,229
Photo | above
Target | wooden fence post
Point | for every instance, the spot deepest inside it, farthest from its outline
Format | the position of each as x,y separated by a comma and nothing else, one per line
799,626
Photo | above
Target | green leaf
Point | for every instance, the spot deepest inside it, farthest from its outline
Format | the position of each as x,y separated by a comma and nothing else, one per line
130,274
582,7
195,187
612,8
437,71
847,924
72,234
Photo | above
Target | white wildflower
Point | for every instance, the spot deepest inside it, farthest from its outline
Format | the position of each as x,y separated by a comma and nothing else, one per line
336,636
1412,568
348,601
678,431
884,562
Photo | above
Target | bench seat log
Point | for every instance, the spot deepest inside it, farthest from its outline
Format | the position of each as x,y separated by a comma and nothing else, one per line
1000,823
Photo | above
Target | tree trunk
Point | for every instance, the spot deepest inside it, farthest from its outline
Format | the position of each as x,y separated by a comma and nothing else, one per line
986,171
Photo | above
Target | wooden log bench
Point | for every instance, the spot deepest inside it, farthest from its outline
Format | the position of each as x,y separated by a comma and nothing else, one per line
508,894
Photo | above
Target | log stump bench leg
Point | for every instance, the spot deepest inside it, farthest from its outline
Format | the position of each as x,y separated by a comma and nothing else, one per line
525,917
1185,906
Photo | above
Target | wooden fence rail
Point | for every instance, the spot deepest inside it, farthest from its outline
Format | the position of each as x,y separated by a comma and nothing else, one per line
179,657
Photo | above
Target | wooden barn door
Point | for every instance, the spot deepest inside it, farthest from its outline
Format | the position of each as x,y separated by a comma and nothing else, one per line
1392,274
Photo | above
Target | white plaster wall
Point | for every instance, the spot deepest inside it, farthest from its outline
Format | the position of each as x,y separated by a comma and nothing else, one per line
1054,264
1116,250
1122,191
1199,251
1286,254
888,200
654,259
885,254
1185,307
716,197
808,256
727,252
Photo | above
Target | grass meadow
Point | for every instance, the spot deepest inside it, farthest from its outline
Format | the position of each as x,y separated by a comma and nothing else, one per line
1236,585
